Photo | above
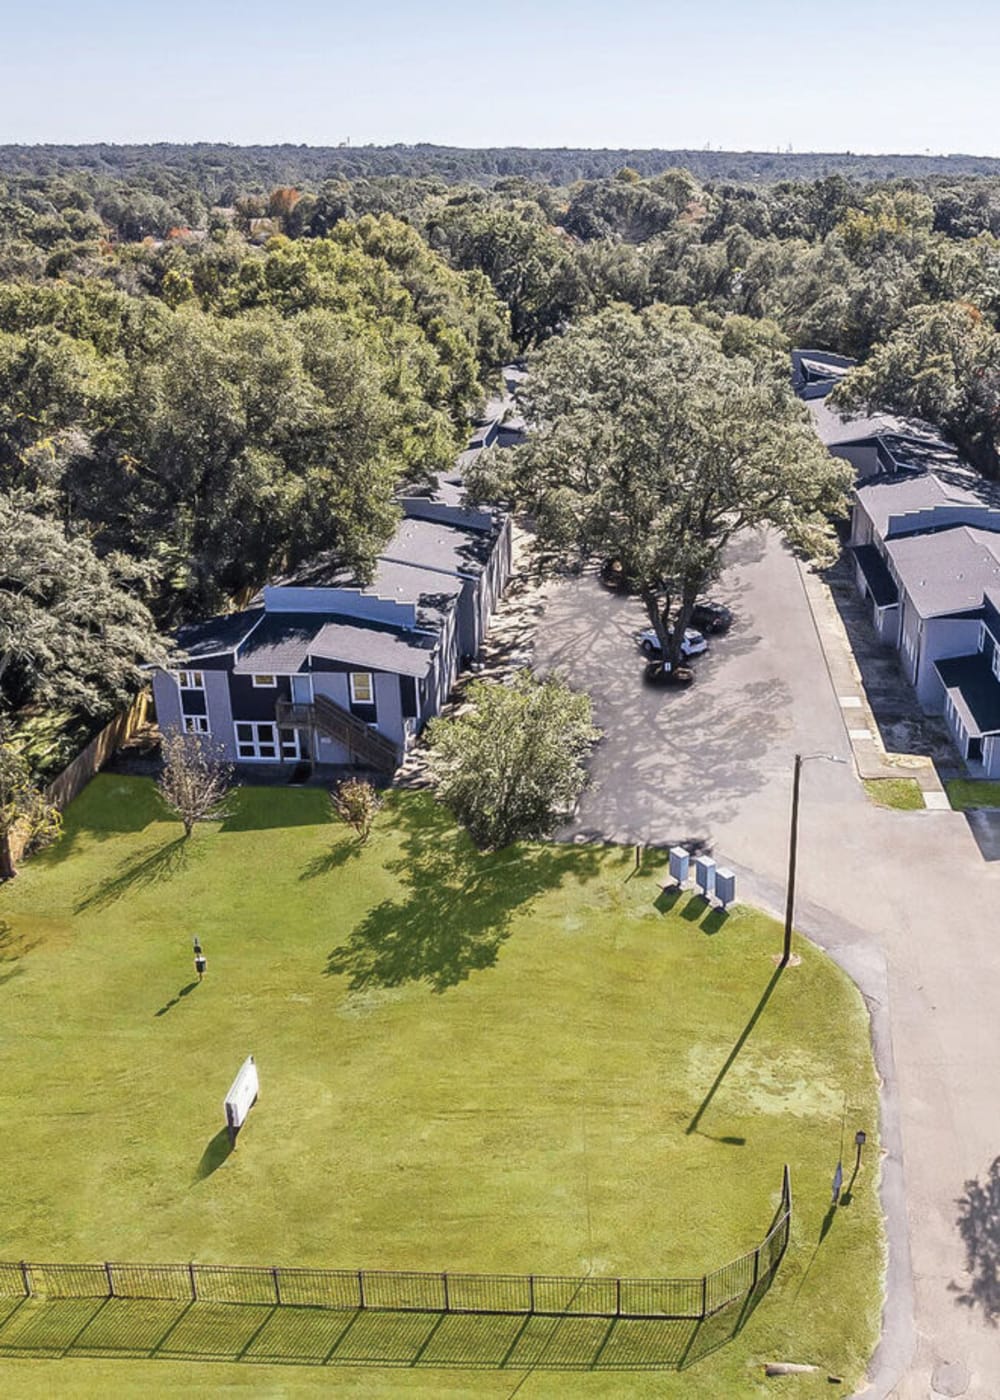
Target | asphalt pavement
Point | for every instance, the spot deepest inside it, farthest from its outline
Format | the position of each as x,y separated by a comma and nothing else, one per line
904,900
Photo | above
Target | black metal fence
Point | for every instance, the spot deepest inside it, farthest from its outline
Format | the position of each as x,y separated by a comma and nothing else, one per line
395,1291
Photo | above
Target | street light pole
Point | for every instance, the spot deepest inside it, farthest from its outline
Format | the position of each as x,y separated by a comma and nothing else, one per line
793,848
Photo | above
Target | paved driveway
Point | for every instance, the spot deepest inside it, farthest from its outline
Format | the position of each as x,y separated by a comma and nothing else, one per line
904,900
710,764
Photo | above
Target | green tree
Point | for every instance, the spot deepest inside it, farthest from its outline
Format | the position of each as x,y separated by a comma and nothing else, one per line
26,814
942,364
652,446
74,635
513,764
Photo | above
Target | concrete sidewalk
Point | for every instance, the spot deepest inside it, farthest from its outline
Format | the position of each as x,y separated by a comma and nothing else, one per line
870,756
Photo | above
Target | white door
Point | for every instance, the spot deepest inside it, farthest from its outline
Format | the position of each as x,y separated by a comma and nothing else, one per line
302,690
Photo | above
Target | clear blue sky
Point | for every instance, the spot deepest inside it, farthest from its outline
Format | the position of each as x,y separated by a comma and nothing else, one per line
861,75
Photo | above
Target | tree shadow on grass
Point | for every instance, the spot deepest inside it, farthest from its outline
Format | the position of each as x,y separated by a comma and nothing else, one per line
13,947
457,904
979,1225
108,806
215,1154
148,867
340,854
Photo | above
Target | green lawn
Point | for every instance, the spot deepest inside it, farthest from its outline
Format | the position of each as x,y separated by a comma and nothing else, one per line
964,793
475,1063
902,793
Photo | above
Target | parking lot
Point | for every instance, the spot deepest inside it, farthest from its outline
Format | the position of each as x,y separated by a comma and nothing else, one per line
710,764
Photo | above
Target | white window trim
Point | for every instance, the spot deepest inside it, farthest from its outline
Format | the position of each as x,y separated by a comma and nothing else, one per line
267,680
355,698
195,680
268,734
196,724
257,729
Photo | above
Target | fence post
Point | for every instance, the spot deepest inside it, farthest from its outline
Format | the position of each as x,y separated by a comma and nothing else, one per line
111,1282
447,1297
361,1288
26,1279
277,1285
704,1296
531,1293
756,1268
618,1292
194,1285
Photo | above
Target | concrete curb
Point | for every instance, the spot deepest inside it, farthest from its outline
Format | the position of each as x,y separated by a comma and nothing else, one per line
862,958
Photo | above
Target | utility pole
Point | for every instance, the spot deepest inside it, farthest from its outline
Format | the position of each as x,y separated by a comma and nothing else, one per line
793,848
793,845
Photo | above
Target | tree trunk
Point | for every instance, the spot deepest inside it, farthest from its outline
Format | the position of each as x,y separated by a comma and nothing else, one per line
7,868
659,618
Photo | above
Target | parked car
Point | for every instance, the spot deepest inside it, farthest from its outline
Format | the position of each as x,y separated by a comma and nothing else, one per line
662,673
693,644
614,576
712,617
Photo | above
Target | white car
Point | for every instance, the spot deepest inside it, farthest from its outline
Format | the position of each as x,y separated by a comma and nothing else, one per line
693,644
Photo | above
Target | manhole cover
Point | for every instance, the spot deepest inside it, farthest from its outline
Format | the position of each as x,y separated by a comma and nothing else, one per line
950,1378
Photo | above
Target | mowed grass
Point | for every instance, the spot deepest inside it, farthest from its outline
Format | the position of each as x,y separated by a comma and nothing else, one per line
903,794
968,793
520,1062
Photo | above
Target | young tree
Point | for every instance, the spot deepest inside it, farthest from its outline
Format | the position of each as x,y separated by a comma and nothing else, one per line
25,812
195,781
512,765
654,447
356,803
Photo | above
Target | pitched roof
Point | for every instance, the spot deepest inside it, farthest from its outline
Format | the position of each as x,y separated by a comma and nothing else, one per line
900,492
284,642
949,571
835,428
279,645
216,635
375,648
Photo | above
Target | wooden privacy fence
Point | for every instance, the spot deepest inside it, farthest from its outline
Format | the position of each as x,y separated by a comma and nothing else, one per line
400,1291
90,760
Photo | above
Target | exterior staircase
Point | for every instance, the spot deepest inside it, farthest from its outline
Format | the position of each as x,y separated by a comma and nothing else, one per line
366,746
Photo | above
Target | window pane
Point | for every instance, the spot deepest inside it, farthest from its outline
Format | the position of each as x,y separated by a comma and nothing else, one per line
244,732
361,687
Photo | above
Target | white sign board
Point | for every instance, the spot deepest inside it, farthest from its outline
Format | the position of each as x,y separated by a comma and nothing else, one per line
242,1094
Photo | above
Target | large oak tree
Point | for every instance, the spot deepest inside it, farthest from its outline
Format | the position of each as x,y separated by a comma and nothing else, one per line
653,446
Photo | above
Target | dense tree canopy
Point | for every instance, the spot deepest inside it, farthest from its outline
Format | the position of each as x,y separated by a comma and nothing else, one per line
653,446
216,362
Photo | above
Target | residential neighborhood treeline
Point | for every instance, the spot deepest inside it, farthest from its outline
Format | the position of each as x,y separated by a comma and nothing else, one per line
208,379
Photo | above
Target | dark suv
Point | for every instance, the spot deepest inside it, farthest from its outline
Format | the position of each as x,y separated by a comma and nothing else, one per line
711,617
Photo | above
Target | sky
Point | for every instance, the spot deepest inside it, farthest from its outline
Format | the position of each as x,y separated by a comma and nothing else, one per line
878,76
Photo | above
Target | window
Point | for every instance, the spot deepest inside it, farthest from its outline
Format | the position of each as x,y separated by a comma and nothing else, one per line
260,741
256,741
265,682
196,724
190,680
362,689
290,743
